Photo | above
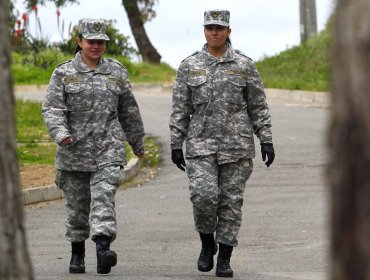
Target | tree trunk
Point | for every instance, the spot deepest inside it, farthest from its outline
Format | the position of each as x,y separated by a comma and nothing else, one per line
14,259
148,52
349,142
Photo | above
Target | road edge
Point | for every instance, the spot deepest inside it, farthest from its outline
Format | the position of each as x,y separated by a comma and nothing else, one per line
48,193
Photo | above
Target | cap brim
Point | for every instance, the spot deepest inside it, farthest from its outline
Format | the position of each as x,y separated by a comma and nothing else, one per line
216,23
95,37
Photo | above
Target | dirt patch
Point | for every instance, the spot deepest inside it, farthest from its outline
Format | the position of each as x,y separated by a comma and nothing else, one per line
37,175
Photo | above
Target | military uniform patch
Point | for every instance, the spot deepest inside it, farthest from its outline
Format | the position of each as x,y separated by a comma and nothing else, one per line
73,79
97,26
116,61
197,73
238,73
215,14
115,80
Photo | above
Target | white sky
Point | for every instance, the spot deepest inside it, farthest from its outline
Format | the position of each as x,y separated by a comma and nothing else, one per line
259,27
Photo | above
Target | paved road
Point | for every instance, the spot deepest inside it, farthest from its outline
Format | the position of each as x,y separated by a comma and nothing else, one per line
284,231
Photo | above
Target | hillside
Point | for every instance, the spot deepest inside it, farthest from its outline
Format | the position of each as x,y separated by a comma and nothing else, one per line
303,67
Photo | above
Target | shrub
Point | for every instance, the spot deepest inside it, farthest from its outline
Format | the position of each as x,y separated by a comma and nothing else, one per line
118,44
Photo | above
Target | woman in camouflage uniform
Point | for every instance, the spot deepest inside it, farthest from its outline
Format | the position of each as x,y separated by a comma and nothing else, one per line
89,111
218,103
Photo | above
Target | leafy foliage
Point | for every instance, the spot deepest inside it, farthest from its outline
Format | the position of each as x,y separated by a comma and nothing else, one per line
146,9
43,60
59,3
117,45
13,17
32,68
20,36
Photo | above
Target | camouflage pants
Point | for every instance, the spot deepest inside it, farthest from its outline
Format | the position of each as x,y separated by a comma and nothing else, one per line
216,191
90,202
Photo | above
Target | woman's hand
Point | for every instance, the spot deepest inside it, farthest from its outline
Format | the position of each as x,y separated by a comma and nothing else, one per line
66,141
178,158
140,155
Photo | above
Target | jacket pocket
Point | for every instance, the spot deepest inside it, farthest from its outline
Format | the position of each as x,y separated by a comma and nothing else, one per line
240,124
195,126
114,91
198,89
234,89
78,97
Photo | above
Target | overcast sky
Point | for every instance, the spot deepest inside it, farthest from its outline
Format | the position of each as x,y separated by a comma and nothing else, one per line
259,27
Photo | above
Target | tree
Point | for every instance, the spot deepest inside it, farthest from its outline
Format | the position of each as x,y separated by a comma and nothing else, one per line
138,12
349,138
14,258
117,45
136,20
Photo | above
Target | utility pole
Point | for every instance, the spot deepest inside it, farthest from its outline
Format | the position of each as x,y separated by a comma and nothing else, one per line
308,23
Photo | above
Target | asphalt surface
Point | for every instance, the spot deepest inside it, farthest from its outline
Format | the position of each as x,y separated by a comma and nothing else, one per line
284,235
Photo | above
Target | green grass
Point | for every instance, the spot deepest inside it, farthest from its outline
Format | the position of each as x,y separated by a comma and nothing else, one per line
304,67
149,73
36,147
28,69
151,156
30,127
32,153
35,68
44,153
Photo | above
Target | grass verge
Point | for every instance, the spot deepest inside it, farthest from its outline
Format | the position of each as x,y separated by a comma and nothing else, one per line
36,151
37,69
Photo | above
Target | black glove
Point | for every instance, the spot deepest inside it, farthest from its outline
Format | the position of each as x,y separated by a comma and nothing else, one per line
178,158
267,149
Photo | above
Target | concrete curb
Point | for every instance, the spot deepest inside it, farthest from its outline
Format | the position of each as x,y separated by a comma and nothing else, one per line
316,98
47,193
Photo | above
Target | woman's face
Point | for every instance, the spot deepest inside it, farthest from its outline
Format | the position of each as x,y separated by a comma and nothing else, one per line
216,35
92,49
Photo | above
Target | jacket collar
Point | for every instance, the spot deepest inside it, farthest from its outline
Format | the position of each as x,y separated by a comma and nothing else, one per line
103,65
229,54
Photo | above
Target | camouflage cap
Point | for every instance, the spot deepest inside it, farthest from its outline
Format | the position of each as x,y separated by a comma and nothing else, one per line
91,28
218,17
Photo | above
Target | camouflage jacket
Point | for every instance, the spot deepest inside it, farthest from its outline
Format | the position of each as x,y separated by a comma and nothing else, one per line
217,105
97,109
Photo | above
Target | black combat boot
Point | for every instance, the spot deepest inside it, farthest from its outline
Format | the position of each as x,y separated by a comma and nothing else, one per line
77,263
223,268
209,249
106,258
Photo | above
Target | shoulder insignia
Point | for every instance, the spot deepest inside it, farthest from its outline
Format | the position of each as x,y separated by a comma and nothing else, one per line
65,62
110,59
242,54
115,80
194,53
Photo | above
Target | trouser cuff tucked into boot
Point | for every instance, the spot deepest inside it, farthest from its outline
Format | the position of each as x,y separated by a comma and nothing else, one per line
106,258
77,262
209,249
223,268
